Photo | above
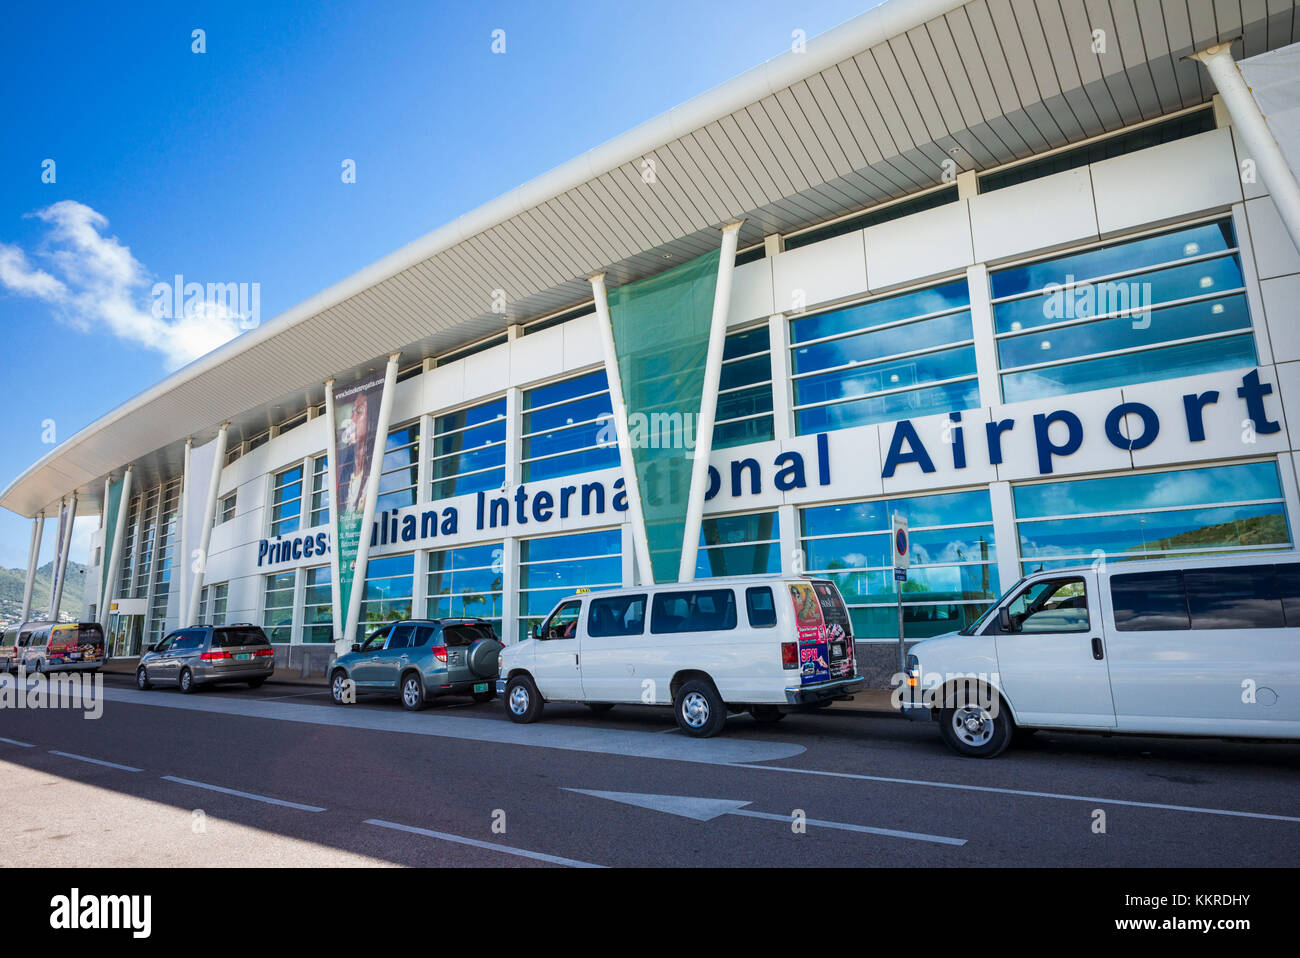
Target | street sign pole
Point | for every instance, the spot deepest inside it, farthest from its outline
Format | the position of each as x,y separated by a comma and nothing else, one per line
902,549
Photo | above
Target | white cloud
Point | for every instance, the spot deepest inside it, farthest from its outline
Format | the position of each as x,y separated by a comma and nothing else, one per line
93,282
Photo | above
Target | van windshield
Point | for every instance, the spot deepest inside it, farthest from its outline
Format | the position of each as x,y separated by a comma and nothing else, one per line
984,616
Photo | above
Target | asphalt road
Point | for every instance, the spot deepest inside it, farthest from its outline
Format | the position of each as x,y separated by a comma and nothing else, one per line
281,776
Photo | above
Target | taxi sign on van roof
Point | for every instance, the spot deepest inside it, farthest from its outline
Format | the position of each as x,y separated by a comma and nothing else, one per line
583,591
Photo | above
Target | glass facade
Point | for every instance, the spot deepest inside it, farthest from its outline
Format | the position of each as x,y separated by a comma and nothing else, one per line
166,548
320,492
277,606
467,583
318,606
887,359
1151,515
739,545
286,502
953,571
390,586
401,469
568,428
469,450
1153,308
744,408
550,568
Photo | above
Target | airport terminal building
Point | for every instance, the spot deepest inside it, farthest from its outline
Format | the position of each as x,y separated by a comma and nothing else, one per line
1038,297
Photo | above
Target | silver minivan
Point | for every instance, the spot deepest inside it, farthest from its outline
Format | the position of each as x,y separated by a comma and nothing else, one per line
206,655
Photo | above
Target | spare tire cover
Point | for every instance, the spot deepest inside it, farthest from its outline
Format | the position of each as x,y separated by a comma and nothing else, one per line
484,657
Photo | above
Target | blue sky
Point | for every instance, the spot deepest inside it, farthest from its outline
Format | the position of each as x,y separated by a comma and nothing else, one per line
225,166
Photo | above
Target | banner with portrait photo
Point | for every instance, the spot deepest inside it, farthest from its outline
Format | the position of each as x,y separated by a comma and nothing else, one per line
356,425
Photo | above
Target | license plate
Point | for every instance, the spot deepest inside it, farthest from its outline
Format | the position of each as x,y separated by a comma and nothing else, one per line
480,686
242,656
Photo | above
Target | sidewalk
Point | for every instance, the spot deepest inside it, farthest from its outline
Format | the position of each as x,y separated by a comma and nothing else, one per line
868,700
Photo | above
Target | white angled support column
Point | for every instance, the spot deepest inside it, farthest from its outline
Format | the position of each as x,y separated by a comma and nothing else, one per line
199,568
33,559
182,522
1255,134
61,568
708,404
115,559
641,540
371,500
331,472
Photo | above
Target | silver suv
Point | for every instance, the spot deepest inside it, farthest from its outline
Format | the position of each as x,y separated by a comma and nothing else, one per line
205,655
419,659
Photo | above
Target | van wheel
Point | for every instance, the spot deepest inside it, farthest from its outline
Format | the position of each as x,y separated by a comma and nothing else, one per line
523,702
187,681
413,691
767,714
976,731
600,708
339,688
142,680
699,709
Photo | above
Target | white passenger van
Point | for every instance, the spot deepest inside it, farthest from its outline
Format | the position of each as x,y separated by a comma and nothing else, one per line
767,645
1190,646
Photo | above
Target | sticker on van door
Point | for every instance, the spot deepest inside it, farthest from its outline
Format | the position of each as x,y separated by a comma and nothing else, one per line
839,632
814,660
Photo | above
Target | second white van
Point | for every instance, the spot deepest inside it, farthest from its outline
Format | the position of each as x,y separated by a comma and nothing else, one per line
767,645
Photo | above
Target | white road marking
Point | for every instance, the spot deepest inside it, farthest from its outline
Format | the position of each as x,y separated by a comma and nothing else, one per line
14,741
1026,793
233,791
504,849
707,809
579,738
96,761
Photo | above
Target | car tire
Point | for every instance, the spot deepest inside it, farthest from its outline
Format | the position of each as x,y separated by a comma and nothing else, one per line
600,708
766,714
975,731
699,709
186,682
411,691
523,701
256,683
482,697
142,680
338,688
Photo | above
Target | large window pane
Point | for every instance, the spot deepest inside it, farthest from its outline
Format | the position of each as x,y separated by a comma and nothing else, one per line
553,567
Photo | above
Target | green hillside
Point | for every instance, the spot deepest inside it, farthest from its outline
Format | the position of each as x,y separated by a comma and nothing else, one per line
12,582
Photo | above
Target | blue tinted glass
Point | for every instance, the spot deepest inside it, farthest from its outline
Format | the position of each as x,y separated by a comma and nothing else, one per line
920,303
749,402
586,461
469,462
917,402
385,566
487,412
1239,483
473,438
1156,532
896,374
743,432
1161,286
941,331
1125,332
1114,258
724,529
1169,362
557,417
746,371
742,344
291,475
477,482
738,560
607,542
557,392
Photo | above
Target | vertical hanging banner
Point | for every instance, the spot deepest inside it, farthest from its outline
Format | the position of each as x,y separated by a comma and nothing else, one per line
56,580
356,425
661,329
110,537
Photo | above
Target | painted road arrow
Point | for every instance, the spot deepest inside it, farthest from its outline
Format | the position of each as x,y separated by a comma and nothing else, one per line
707,809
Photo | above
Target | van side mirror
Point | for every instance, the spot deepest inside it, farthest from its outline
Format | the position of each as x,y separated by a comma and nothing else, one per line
153,647
356,646
1004,619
